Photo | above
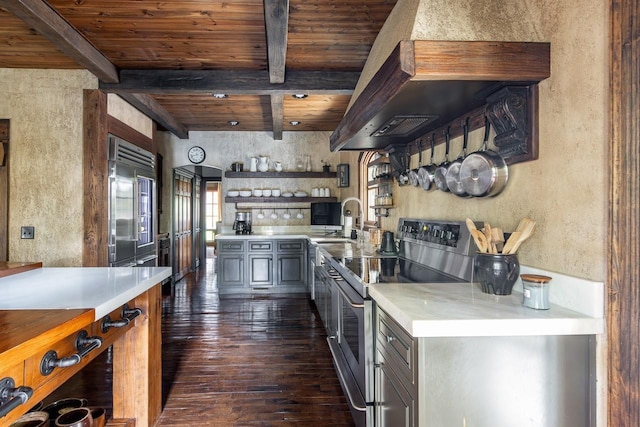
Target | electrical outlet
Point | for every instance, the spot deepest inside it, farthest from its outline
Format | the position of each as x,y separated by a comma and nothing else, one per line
27,232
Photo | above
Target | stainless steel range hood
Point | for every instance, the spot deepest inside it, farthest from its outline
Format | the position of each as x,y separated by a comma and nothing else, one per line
423,85
428,67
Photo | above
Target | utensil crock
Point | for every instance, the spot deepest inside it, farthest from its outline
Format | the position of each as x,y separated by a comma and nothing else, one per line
496,273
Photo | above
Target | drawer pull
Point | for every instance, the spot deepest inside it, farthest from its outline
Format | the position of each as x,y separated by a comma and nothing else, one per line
128,314
84,345
11,396
389,339
107,323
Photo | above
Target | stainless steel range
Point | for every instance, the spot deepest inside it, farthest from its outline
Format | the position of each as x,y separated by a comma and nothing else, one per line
429,251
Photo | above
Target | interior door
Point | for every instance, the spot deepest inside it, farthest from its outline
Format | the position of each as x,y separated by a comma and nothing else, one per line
182,223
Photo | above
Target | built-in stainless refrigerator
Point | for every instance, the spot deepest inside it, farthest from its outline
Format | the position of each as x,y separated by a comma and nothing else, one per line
132,214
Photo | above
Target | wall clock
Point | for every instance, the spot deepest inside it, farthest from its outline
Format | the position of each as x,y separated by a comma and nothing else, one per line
196,155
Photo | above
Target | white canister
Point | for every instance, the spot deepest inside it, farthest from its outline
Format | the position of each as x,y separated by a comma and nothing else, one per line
535,290
327,192
315,192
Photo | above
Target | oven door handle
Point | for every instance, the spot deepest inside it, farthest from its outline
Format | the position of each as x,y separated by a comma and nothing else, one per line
346,297
357,406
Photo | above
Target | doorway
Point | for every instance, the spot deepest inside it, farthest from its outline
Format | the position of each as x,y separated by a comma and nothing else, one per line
193,224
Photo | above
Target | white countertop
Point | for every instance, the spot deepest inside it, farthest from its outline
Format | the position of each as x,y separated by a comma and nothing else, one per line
313,237
103,289
462,309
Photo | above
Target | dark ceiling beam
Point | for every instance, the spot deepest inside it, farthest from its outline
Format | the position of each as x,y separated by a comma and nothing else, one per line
156,112
276,20
232,82
277,115
47,22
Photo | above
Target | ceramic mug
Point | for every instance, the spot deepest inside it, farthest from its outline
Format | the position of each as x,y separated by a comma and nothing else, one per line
286,215
99,416
79,417
274,215
299,215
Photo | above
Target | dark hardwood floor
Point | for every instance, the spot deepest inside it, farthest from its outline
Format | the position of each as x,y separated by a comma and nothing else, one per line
234,361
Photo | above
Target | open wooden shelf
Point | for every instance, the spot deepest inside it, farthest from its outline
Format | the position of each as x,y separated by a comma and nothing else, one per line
283,174
279,199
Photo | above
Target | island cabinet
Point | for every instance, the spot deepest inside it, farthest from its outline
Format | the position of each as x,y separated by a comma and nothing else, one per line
501,381
256,264
32,341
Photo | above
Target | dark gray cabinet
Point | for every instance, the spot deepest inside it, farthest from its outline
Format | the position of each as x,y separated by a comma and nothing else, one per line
292,262
260,263
250,264
396,374
231,265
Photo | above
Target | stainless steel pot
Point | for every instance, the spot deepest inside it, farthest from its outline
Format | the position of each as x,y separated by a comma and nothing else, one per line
441,171
453,173
484,173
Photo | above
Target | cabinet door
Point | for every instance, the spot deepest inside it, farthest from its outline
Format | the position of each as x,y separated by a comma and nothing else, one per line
291,269
394,406
261,270
231,270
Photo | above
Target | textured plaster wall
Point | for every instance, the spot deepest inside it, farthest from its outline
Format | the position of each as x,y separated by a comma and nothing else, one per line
566,189
224,148
123,111
45,110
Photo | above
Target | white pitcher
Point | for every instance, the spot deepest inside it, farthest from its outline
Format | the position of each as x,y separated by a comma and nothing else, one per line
263,164
253,164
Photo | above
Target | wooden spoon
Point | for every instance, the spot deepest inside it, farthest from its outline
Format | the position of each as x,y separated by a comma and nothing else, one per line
527,230
513,239
475,233
481,241
497,238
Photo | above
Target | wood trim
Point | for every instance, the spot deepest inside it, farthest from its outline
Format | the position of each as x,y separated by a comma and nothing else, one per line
95,182
623,270
4,189
126,132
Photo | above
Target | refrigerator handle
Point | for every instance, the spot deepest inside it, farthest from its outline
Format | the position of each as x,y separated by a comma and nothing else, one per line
136,208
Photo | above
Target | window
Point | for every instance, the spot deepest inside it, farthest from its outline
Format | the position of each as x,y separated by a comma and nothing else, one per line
212,209
367,188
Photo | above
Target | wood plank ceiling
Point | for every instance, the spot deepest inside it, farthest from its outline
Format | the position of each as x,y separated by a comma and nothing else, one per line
169,58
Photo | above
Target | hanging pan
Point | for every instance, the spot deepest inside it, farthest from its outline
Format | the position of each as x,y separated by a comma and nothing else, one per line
484,173
428,172
403,178
453,173
441,171
414,179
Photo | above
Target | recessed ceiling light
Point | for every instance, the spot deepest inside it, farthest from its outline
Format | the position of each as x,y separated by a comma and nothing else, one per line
233,122
219,95
299,96
294,122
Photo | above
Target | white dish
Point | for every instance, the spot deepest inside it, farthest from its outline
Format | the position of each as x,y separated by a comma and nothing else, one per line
257,192
300,194
287,194
245,193
233,193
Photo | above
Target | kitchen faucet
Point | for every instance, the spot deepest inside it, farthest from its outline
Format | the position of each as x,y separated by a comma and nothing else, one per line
344,202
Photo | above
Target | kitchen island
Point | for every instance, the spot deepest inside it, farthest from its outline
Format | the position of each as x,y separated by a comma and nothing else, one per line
50,314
